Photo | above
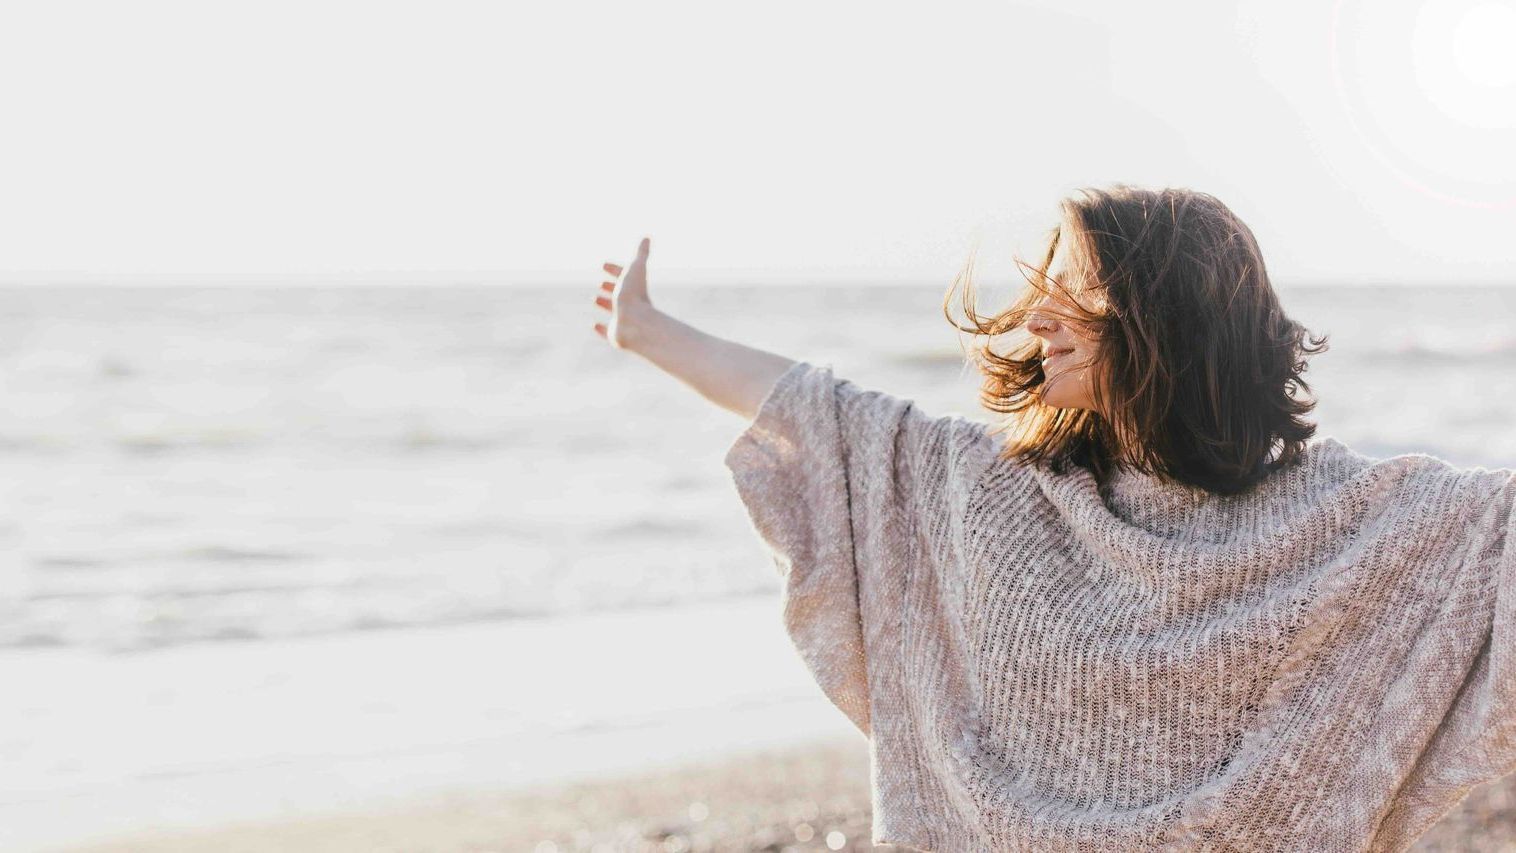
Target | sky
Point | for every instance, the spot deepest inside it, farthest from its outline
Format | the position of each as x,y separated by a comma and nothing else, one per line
517,143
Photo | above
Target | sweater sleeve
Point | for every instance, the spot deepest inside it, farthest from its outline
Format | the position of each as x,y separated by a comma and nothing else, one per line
1486,707
1475,742
827,472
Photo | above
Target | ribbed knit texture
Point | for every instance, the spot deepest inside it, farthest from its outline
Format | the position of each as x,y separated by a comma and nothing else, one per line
1325,663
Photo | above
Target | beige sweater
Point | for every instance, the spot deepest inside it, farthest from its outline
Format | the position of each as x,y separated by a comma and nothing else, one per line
1327,663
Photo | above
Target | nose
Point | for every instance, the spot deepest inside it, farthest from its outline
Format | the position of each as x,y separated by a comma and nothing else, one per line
1040,324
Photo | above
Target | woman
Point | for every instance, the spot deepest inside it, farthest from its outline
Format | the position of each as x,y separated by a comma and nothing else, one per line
1150,611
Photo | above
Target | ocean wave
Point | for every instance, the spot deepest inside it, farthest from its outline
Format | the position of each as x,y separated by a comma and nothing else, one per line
130,623
928,358
1448,349
409,442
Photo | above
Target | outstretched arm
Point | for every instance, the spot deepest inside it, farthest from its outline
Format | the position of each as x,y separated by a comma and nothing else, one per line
731,375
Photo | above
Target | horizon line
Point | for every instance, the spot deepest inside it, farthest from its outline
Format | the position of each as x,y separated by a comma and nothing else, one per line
547,279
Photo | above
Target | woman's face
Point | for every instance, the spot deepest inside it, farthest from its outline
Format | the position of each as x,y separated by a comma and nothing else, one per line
1068,353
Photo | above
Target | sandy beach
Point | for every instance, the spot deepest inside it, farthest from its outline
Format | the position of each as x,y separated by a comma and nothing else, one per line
810,796
803,797
634,735
196,737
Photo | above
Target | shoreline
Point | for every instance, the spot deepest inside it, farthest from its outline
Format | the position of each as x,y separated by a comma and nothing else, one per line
604,728
199,736
803,796
807,796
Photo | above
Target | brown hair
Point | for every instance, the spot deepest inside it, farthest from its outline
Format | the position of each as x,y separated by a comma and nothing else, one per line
1198,369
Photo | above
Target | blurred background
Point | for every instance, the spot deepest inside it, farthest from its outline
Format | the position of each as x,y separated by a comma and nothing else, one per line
328,522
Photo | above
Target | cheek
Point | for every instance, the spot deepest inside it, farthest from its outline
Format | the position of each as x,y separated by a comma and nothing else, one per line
1088,368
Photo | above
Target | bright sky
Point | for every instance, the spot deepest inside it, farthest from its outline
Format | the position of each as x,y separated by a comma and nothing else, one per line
769,141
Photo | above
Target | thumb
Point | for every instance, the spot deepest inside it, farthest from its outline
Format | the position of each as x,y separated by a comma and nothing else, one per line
643,247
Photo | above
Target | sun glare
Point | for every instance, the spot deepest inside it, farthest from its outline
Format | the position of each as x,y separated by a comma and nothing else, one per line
1484,45
1465,57
1429,88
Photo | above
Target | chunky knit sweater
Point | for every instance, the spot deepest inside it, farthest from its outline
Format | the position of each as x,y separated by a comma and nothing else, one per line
1325,663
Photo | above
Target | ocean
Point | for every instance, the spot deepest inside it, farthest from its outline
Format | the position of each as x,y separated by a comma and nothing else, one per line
208,464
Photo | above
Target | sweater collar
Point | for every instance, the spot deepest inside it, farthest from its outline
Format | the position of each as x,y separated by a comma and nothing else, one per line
1137,483
1147,498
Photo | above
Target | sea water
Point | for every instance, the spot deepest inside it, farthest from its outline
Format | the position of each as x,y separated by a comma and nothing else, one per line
195,464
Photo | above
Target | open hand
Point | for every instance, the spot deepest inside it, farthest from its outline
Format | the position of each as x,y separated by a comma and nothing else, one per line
627,301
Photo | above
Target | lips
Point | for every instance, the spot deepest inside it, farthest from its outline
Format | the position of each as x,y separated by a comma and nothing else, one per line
1052,360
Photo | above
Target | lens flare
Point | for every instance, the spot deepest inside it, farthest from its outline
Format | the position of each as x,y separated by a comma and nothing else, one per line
1429,89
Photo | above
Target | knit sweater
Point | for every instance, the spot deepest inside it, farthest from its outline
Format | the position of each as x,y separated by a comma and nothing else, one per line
1324,663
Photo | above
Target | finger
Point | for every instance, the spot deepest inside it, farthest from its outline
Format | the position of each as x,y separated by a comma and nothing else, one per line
613,269
602,302
642,248
607,285
600,329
